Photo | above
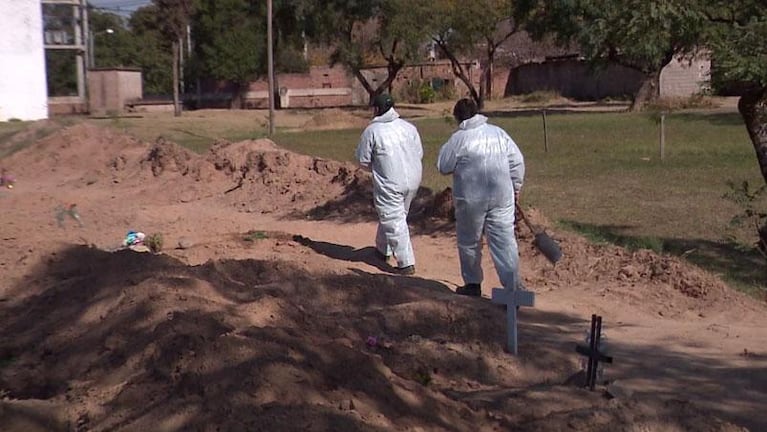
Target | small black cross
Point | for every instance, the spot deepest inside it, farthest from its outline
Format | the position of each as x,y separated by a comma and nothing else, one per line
592,351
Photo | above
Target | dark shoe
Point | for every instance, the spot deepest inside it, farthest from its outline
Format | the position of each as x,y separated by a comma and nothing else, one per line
407,271
472,290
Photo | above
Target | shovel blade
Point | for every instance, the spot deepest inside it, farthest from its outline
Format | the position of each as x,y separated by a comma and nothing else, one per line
548,247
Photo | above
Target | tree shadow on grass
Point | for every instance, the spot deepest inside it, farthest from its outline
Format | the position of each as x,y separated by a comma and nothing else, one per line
745,267
553,109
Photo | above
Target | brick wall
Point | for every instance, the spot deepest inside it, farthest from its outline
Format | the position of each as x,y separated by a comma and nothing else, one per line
320,87
423,72
332,87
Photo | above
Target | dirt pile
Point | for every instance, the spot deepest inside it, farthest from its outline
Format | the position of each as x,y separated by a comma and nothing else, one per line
335,119
127,341
673,285
261,322
267,178
81,155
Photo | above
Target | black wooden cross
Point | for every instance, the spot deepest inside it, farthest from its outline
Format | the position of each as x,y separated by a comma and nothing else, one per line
592,351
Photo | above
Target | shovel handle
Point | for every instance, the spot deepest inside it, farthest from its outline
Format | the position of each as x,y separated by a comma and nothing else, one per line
524,218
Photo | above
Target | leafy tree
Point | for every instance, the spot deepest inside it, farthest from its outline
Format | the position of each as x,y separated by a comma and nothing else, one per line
459,30
175,17
137,42
644,35
736,34
151,50
230,43
366,33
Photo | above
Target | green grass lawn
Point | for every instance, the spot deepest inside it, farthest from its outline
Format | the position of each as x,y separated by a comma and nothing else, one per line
603,176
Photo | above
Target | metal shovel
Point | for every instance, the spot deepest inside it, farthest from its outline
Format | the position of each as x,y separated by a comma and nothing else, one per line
548,247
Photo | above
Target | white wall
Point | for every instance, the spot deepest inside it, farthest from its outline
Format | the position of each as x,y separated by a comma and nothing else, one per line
23,89
685,78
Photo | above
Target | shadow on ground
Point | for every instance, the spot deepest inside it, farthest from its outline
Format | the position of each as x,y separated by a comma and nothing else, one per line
130,341
430,213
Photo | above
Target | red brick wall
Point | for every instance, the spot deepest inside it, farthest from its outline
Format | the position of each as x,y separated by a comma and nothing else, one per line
318,77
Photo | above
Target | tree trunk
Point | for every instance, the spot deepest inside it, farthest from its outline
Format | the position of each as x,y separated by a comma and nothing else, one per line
392,71
487,71
176,101
238,96
489,77
482,80
753,109
365,84
648,91
461,74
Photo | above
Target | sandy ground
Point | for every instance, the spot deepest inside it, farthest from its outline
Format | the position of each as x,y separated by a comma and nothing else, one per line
266,309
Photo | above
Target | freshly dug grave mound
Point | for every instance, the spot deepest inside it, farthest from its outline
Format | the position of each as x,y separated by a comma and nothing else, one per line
130,341
660,283
266,178
259,176
78,155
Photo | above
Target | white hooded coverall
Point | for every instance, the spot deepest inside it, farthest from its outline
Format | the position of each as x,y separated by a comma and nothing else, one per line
487,168
391,148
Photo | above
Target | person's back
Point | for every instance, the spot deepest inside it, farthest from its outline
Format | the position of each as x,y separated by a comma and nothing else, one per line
391,148
488,170
481,170
395,152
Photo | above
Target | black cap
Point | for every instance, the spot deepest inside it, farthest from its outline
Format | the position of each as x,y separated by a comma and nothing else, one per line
382,103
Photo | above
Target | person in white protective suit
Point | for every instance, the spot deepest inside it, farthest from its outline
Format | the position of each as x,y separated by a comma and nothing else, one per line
391,148
488,170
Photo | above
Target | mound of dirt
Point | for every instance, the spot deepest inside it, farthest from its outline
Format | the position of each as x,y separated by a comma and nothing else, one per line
165,156
81,154
129,341
267,178
316,334
335,119
663,283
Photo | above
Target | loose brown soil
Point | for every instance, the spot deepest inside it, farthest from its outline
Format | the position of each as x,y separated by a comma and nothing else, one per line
267,309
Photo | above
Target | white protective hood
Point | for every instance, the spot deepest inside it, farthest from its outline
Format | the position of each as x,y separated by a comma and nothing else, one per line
486,163
391,147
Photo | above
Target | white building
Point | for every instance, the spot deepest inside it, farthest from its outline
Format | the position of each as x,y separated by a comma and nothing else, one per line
23,88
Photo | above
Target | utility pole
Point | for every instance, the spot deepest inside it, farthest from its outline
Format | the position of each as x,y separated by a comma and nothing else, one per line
270,60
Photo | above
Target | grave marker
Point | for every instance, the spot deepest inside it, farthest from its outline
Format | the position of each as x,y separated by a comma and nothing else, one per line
592,352
513,299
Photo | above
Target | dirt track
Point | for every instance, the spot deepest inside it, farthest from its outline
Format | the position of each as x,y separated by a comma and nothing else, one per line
260,312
